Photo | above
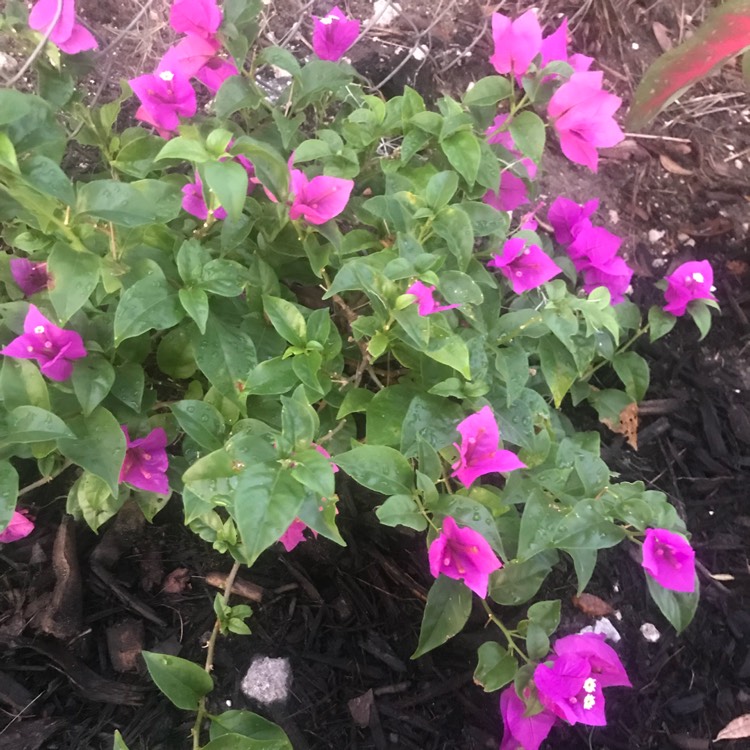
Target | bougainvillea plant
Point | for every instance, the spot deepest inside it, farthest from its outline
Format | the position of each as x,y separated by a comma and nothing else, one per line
159,336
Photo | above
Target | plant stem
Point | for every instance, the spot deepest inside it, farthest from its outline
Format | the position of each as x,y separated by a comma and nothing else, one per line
622,349
210,649
44,480
507,633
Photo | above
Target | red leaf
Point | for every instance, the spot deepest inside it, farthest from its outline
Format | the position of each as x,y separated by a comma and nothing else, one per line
724,34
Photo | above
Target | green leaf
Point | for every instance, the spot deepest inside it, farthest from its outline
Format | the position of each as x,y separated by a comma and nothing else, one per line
460,288
45,175
319,77
440,189
463,152
385,414
91,498
432,419
272,377
192,258
558,367
270,167
236,93
660,323
184,149
488,91
195,303
129,384
175,354
545,614
355,400
495,668
92,379
528,134
75,275
30,424
379,468
151,303
722,35
225,355
250,725
512,365
232,741
518,581
130,204
267,500
446,612
584,562
8,493
299,421
286,319
679,608
537,642
99,446
314,471
454,226
280,58
118,742
633,371
183,682
202,422
485,220
700,312
401,510
223,277
228,181
21,384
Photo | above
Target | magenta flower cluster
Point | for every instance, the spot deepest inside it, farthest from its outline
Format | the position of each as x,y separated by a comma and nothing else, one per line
167,94
569,685
478,453
525,266
69,35
580,110
593,249
333,34
425,296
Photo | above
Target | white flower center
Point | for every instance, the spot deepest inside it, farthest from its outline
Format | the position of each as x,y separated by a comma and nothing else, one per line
328,20
588,702
527,251
166,75
590,685
698,277
39,329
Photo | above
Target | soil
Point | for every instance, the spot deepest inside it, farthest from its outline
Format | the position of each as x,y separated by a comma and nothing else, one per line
347,619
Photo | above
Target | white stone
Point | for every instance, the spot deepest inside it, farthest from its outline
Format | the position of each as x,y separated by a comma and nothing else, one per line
654,235
268,680
650,632
603,626
390,12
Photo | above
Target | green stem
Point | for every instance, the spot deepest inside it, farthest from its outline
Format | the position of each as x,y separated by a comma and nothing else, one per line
44,480
210,649
507,633
586,375
424,512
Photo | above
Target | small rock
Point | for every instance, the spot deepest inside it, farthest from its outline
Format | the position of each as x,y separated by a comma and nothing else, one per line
385,12
650,632
268,680
654,235
603,626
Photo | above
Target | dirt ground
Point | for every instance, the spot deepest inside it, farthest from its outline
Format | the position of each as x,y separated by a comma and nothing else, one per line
347,619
